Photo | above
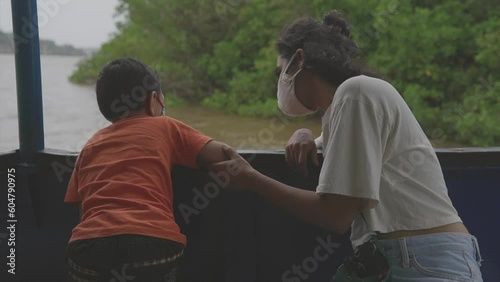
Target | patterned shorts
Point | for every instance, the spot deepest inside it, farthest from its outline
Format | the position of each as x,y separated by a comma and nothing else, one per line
122,258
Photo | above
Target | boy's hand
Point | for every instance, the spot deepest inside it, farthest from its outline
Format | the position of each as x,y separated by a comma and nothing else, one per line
238,173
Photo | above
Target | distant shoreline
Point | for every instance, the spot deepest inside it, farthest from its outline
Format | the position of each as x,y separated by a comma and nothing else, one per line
47,47
48,55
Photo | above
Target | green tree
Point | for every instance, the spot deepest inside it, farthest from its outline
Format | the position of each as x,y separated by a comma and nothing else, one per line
442,55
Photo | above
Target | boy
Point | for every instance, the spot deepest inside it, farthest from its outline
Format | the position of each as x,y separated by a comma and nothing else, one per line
122,181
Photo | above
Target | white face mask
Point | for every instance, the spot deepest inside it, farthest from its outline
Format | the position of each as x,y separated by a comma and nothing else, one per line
287,100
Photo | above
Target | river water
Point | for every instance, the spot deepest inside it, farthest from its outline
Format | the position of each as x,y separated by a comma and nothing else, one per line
71,115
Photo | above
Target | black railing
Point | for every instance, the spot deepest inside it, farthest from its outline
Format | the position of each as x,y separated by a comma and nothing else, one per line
236,236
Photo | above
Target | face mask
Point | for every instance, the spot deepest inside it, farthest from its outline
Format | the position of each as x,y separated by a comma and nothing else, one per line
287,100
163,111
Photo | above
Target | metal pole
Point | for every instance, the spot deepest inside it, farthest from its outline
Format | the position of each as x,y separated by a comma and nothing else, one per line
28,78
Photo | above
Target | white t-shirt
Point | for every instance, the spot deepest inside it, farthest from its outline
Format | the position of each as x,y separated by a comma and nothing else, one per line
374,149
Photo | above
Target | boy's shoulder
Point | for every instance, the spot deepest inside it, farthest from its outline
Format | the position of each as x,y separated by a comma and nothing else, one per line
165,124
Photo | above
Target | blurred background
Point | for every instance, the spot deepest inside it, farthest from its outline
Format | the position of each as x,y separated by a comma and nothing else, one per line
217,60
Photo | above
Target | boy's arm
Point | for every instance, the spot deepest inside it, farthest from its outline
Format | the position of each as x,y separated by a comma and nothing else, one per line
211,153
192,148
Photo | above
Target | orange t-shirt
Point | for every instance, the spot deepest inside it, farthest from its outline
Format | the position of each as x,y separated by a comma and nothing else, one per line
122,177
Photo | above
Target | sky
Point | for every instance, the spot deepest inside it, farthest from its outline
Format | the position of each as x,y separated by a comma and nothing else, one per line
81,23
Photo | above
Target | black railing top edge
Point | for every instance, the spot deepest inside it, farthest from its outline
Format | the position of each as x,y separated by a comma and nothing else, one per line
468,150
438,150
450,158
464,150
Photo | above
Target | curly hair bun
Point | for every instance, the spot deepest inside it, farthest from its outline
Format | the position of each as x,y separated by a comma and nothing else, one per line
336,18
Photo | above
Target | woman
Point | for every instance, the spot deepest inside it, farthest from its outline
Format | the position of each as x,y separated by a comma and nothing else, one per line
380,175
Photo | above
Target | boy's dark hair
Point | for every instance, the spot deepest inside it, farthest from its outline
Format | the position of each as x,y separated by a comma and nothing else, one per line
329,49
122,87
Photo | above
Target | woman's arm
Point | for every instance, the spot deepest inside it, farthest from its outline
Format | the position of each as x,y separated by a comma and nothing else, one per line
330,211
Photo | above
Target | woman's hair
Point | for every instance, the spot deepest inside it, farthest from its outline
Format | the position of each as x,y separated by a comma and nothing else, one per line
329,49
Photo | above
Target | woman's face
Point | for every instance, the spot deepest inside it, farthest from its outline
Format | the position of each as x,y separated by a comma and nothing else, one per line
304,82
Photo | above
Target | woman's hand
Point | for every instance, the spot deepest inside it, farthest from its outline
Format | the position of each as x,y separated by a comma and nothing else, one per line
236,173
301,146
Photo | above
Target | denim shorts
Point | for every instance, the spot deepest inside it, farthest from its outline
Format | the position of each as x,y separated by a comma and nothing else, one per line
434,257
